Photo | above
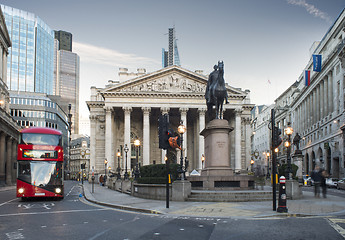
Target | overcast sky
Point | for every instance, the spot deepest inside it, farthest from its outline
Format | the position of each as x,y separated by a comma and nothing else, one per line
260,41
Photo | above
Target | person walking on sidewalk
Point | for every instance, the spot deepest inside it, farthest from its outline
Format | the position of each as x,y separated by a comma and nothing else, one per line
101,180
316,176
324,175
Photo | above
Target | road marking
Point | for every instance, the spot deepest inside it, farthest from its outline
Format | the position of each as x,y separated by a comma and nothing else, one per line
336,227
7,202
337,220
37,213
14,235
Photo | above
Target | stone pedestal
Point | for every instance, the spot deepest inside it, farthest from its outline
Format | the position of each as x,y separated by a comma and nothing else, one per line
126,186
218,174
293,190
298,160
181,189
217,160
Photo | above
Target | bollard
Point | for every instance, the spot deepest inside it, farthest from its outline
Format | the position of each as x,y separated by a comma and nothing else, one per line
282,196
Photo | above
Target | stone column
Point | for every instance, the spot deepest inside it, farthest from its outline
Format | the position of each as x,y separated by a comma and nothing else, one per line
164,110
330,92
93,125
325,93
2,157
146,135
238,113
202,112
127,134
322,100
318,100
14,159
183,112
314,106
9,164
109,152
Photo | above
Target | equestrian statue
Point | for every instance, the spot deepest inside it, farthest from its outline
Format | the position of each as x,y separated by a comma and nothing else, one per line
216,91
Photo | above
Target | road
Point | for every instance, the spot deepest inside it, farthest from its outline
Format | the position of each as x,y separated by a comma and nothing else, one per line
75,218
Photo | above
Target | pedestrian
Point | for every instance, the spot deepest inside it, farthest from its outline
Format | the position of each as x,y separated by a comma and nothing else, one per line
316,176
101,180
324,175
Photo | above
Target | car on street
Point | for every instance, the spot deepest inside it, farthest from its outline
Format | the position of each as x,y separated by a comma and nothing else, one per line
307,181
341,184
331,182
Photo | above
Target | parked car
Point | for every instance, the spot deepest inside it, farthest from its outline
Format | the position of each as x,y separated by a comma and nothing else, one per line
341,184
307,181
331,182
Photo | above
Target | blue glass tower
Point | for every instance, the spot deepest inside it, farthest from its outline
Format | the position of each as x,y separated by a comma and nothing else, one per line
31,57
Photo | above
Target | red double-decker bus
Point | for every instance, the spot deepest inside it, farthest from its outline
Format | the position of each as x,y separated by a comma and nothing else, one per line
40,163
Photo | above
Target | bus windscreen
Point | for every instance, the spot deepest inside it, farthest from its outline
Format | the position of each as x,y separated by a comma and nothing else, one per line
40,139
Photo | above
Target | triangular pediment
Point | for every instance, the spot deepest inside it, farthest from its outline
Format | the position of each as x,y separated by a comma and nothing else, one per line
172,80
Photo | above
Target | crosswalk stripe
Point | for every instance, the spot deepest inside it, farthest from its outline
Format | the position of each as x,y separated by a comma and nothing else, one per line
336,227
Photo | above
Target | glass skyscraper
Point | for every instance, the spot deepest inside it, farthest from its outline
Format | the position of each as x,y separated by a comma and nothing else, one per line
31,57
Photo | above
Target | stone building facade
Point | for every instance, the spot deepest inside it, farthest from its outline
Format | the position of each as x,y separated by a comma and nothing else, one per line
9,130
317,112
124,111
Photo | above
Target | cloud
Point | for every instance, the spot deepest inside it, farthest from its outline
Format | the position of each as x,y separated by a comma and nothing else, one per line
311,9
103,56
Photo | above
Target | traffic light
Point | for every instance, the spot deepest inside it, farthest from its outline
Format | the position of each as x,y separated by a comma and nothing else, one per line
163,131
277,140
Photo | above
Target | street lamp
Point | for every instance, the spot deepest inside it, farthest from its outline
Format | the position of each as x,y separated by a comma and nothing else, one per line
202,161
70,137
268,164
136,171
118,164
251,164
288,131
126,149
105,171
181,129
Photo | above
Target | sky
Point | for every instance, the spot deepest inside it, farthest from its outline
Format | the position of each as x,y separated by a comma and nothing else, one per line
264,43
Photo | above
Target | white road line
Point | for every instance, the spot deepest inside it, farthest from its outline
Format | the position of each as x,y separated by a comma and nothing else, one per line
7,202
336,227
38,213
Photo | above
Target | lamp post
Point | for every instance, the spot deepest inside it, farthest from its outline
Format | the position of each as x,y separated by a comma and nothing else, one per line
251,164
70,138
126,149
202,161
268,164
181,129
118,164
288,131
136,171
105,171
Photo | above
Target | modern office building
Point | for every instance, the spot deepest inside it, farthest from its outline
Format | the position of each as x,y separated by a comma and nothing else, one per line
30,59
37,109
9,130
66,84
65,40
171,56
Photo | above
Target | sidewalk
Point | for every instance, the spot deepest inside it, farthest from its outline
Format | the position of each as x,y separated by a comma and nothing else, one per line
307,206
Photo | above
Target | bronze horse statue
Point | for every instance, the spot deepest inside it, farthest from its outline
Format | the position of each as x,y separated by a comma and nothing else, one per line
216,91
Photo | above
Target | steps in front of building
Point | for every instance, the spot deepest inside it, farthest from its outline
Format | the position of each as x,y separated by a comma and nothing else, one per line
230,196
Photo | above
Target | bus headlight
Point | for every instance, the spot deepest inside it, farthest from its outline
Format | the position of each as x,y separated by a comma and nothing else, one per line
58,190
21,190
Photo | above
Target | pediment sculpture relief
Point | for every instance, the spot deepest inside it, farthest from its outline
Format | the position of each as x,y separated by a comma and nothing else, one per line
170,83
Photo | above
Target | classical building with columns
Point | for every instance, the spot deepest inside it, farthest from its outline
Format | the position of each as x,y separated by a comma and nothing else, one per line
124,111
9,130
317,111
